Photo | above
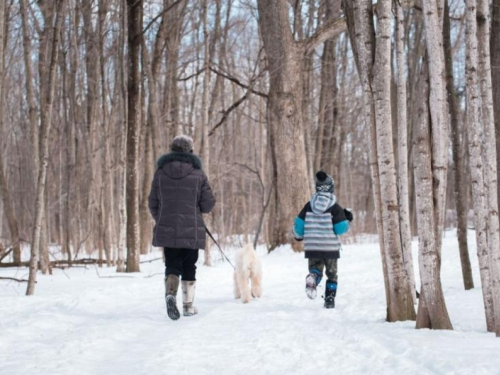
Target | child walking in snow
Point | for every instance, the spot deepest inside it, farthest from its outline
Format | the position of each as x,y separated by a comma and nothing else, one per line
319,224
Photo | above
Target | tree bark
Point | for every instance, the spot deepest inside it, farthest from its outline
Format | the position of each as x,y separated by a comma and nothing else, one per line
134,15
495,75
458,160
4,189
107,171
284,116
439,111
122,150
432,312
479,197
401,307
489,153
46,122
402,133
363,50
205,150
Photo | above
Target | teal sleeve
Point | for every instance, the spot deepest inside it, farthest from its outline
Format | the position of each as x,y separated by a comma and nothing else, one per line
298,228
341,228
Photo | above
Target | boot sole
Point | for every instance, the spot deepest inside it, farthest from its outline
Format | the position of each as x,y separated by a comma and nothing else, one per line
172,310
311,287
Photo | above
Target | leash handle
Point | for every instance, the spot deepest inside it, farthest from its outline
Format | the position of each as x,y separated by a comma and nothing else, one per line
213,239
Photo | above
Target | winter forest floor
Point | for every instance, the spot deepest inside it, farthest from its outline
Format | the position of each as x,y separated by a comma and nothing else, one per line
78,323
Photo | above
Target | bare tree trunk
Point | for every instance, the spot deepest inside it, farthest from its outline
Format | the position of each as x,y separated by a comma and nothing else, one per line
439,111
432,312
175,18
122,211
134,13
4,189
325,154
107,172
495,75
46,121
47,9
489,153
146,225
474,131
458,161
401,307
404,206
92,81
284,111
364,55
378,119
205,152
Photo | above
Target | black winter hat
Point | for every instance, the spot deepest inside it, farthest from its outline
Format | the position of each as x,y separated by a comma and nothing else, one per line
324,182
182,143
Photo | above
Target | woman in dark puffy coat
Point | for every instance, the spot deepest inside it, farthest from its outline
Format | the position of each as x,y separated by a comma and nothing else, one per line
180,194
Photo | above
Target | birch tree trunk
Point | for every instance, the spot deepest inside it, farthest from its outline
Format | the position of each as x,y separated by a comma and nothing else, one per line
401,307
458,160
122,211
474,131
46,122
107,171
362,37
489,153
47,9
404,206
439,111
432,312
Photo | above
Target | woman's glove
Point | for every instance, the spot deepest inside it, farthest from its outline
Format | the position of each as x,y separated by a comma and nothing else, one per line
348,214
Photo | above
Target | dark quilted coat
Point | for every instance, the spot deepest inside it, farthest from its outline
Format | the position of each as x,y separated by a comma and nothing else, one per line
180,194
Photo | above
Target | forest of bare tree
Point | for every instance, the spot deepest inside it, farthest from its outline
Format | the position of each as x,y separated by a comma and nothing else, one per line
399,100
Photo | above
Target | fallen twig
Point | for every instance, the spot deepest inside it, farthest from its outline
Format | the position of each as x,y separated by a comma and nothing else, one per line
14,279
110,277
54,263
151,260
154,274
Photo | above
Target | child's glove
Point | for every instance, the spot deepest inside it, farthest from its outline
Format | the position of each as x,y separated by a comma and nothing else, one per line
348,215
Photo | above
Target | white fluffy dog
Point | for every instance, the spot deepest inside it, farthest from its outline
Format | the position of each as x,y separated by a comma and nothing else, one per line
248,268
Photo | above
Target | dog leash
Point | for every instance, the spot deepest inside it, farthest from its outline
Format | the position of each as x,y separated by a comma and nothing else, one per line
213,239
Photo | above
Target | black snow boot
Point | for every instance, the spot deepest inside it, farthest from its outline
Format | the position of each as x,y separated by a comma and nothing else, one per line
330,293
171,287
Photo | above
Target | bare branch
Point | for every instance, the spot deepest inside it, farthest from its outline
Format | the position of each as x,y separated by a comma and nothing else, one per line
235,80
192,75
166,10
328,31
227,112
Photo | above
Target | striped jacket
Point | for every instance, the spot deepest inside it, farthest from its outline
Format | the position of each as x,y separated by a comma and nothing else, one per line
319,224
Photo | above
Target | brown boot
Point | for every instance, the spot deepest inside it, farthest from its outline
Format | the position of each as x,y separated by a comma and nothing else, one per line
171,286
188,288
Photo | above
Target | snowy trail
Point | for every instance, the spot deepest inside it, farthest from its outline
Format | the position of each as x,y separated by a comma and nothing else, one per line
87,325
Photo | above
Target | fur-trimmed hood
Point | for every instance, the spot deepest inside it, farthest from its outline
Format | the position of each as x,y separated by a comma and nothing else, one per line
178,164
192,159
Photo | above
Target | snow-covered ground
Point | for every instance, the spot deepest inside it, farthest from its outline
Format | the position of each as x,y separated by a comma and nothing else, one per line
78,323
